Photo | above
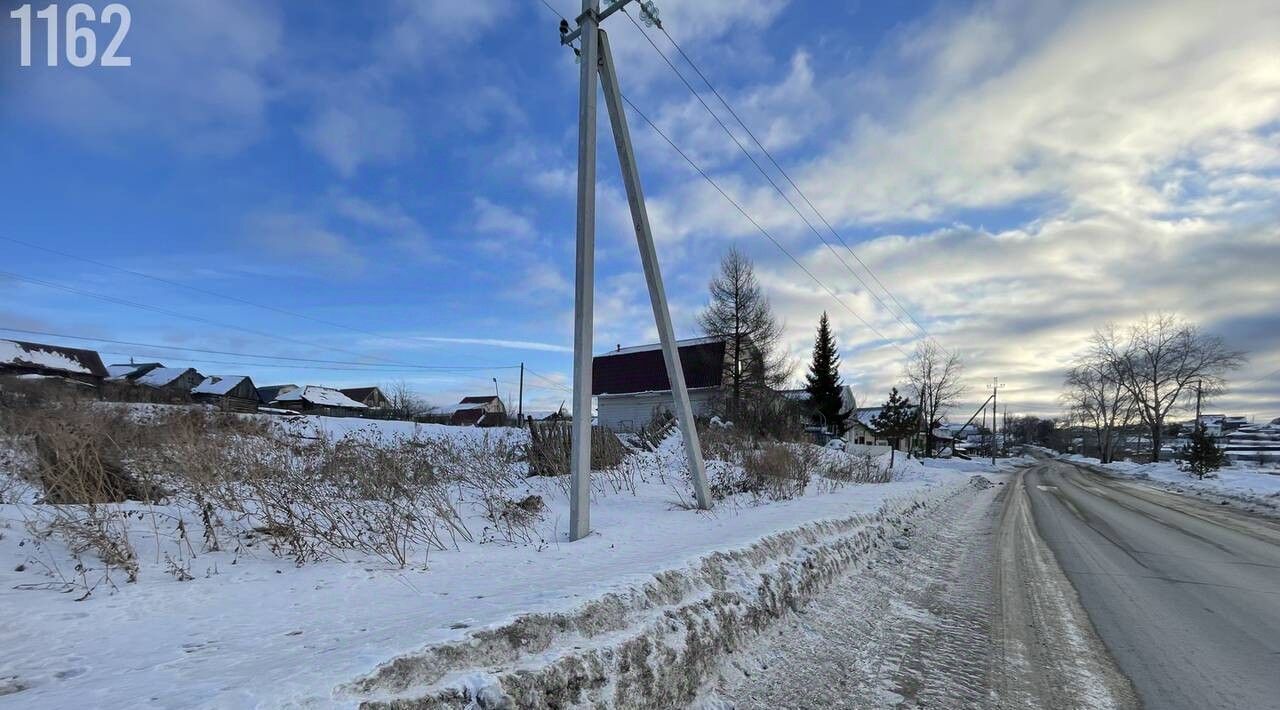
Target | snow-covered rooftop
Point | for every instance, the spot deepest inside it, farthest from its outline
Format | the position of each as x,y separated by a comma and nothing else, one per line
161,376
658,346
30,354
217,384
451,408
120,370
323,396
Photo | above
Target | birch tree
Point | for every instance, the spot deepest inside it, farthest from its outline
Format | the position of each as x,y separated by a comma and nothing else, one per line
1161,361
933,378
1095,395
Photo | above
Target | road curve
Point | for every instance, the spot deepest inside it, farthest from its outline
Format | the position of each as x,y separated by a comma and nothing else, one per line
1185,595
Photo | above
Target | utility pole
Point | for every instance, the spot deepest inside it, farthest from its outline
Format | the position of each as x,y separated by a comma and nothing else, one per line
584,277
520,404
1199,427
995,407
597,62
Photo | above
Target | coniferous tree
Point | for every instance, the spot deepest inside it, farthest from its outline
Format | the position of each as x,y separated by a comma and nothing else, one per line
1204,455
823,380
897,420
741,314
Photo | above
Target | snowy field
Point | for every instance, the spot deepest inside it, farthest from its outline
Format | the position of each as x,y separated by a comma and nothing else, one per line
1248,485
250,628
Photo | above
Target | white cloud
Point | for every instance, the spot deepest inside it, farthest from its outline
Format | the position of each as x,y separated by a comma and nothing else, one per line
199,80
304,239
493,218
359,131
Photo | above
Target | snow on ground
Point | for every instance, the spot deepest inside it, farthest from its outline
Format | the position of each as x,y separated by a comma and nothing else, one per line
1240,483
254,630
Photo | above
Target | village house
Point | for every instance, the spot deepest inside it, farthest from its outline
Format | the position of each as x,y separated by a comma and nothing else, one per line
848,403
37,361
371,397
631,385
312,399
479,410
230,393
170,380
270,392
121,372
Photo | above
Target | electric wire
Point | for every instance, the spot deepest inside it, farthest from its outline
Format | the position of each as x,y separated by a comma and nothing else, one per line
871,272
777,188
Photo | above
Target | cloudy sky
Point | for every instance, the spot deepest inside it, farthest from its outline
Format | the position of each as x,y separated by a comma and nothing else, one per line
387,188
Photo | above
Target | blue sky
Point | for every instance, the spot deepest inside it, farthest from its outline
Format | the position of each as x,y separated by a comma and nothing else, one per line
399,178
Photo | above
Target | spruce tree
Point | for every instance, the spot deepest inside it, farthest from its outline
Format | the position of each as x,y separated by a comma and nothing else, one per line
823,380
897,420
1204,455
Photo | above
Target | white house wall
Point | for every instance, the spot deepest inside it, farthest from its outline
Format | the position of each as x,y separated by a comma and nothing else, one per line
631,412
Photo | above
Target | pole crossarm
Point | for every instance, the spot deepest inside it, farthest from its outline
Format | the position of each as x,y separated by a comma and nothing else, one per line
598,16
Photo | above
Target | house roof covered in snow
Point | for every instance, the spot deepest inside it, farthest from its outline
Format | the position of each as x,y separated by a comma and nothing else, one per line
162,376
642,368
54,359
270,392
221,385
360,394
480,399
320,396
864,415
131,371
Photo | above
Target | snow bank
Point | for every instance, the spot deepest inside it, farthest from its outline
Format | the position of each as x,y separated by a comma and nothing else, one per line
252,629
1239,483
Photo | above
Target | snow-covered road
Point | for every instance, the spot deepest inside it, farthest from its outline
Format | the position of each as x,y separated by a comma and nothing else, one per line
932,626
1185,593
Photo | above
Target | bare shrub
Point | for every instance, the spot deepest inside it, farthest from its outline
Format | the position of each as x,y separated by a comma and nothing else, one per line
861,467
551,445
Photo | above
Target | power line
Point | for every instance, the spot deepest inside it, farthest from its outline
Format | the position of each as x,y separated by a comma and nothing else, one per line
293,359
791,182
757,225
769,178
175,314
216,294
1267,376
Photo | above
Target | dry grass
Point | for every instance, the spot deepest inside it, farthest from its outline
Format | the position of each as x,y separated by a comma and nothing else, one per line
551,445
240,482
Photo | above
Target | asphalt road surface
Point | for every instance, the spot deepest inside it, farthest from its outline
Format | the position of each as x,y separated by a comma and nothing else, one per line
1185,594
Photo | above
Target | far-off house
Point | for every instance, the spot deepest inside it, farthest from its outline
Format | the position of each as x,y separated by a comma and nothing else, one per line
631,384
153,382
38,361
234,393
371,397
480,410
318,400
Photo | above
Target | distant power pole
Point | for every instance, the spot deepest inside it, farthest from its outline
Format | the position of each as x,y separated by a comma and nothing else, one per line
597,63
1199,386
995,407
520,404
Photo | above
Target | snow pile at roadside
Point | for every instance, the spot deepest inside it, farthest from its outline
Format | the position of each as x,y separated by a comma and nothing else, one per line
1243,484
241,626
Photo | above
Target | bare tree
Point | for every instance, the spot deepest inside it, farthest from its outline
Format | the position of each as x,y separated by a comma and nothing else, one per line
405,403
933,378
1095,395
1160,361
740,313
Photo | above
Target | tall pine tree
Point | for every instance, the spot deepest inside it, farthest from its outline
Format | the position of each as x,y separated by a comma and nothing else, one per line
896,421
740,313
823,380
